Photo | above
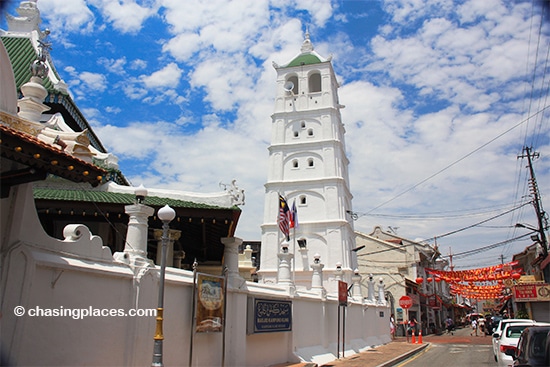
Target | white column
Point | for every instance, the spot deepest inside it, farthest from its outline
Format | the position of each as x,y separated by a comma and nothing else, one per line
135,248
173,235
381,295
356,279
284,274
317,277
231,260
338,272
370,294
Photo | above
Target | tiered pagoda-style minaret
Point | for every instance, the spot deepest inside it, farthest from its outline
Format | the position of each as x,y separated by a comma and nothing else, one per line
308,166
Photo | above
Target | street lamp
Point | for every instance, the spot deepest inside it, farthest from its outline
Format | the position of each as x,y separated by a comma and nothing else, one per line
166,215
521,225
542,240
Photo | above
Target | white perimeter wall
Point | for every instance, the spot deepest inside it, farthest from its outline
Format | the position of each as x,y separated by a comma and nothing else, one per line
78,273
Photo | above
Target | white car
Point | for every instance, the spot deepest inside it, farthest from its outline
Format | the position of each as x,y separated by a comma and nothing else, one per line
509,340
498,331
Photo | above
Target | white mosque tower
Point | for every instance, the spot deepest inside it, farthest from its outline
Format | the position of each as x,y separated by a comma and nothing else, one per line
308,166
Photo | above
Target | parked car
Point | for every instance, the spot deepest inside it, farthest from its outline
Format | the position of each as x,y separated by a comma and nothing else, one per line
498,331
532,349
508,341
493,324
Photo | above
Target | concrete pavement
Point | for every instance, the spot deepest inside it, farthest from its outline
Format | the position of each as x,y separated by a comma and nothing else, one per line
390,354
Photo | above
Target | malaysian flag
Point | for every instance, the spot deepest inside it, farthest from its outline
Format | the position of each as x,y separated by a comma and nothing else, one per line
284,217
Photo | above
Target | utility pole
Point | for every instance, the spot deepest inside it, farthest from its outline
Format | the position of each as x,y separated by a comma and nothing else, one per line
537,203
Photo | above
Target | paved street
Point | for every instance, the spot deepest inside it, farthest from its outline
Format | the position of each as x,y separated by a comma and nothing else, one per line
395,352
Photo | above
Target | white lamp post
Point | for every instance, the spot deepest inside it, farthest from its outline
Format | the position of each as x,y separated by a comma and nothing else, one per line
166,215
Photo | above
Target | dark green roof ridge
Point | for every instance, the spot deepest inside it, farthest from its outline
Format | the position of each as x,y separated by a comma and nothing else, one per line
115,198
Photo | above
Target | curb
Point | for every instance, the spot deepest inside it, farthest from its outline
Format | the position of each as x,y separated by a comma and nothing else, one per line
402,357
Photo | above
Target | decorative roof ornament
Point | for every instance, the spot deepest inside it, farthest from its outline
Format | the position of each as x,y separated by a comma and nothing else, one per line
28,20
307,46
39,67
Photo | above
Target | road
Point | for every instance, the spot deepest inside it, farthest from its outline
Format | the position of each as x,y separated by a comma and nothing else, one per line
459,349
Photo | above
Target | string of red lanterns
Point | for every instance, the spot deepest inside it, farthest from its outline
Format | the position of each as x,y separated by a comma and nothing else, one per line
463,282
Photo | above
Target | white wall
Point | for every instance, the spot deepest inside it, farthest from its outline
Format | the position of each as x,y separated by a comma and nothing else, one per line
75,273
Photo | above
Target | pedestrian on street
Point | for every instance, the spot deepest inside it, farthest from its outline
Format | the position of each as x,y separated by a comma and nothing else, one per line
392,326
450,325
481,325
474,327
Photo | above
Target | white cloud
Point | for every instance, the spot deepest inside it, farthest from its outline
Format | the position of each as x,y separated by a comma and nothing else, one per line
126,16
67,16
435,82
167,77
114,66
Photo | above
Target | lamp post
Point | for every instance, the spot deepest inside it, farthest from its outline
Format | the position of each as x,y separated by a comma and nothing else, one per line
542,240
166,215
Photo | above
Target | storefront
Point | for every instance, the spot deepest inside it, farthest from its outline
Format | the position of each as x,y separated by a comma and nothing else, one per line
534,299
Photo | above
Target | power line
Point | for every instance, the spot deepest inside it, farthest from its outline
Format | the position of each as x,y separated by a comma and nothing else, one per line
478,223
488,247
458,160
444,214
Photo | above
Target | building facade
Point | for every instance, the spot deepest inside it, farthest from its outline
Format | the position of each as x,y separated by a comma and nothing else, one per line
58,292
309,168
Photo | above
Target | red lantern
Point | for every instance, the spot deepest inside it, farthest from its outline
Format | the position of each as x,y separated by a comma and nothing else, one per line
516,276
437,279
419,280
429,280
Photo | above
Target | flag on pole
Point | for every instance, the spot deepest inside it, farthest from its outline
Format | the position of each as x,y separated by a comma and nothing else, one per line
293,216
284,217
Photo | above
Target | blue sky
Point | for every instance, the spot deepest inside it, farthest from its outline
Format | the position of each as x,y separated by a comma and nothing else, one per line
438,98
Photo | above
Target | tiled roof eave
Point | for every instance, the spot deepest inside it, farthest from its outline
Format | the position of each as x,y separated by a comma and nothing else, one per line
98,196
30,151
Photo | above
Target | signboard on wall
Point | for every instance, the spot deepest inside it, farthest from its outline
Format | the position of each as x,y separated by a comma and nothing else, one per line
342,293
399,314
532,292
269,315
210,291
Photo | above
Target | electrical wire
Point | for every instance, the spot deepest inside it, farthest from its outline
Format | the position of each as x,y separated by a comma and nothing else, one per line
488,247
476,224
457,161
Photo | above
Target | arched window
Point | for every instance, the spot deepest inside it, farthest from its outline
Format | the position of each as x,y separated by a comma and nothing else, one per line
296,133
310,132
294,80
315,82
310,162
303,200
303,124
295,163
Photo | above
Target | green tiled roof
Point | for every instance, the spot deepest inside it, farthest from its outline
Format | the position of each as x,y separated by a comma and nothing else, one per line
22,54
304,59
114,198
